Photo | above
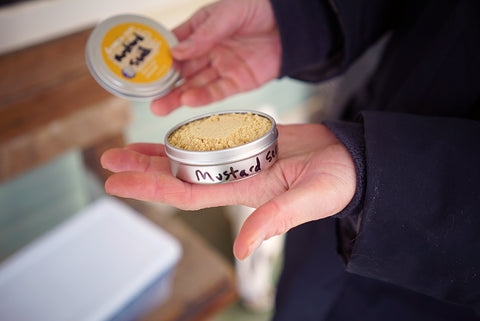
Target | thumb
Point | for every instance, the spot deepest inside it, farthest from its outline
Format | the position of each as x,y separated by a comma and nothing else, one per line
311,201
265,222
204,30
277,216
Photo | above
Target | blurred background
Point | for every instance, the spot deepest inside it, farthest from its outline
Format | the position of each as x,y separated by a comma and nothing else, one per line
36,108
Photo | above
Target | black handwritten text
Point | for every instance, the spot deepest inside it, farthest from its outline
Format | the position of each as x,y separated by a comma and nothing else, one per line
233,173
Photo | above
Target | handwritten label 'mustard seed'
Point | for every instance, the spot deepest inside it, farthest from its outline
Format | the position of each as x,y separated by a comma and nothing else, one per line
234,173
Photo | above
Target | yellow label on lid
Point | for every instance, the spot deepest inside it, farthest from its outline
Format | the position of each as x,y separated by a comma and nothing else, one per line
136,52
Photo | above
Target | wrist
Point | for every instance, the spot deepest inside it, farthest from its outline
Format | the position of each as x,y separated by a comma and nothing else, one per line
350,134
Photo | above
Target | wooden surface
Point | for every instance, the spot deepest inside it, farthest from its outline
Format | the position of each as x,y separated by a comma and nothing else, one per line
99,125
50,103
46,82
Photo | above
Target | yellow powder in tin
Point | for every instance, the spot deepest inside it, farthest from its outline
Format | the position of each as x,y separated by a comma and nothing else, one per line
220,132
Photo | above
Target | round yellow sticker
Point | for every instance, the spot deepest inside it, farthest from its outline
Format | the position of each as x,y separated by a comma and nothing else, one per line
136,52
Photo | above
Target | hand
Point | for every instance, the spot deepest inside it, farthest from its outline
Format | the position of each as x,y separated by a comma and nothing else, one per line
314,177
228,47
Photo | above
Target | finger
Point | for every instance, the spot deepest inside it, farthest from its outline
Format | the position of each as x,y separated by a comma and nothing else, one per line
153,187
168,103
204,30
210,93
165,105
203,78
120,160
165,188
184,30
282,213
201,90
149,149
193,66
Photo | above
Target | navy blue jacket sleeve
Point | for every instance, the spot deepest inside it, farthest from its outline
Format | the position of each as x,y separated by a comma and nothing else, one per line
350,134
321,38
420,195
421,215
418,188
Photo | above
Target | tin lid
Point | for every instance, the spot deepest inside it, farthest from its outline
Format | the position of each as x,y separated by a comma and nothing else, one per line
222,156
129,55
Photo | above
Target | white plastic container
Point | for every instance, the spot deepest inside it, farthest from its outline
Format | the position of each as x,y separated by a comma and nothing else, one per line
129,55
105,263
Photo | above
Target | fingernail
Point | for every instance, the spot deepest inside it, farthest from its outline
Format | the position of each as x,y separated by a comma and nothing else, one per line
108,187
253,246
184,45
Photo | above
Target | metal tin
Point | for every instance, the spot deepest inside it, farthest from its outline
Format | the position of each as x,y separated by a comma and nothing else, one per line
129,55
224,165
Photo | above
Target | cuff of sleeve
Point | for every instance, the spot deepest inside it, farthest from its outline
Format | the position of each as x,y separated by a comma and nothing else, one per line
351,135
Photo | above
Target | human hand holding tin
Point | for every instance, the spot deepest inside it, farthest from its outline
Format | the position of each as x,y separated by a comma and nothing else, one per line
226,48
313,178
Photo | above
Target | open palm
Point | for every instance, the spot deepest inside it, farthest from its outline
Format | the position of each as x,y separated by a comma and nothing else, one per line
313,178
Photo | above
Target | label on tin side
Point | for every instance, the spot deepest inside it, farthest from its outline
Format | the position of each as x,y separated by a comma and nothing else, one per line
136,52
228,172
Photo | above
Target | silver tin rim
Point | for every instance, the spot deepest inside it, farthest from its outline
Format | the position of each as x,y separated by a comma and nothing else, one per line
185,163
222,156
114,84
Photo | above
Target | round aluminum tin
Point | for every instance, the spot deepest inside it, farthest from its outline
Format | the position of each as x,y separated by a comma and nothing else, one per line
129,56
224,165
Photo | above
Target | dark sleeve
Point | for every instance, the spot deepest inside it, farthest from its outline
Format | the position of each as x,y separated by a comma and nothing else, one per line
351,134
420,227
320,38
